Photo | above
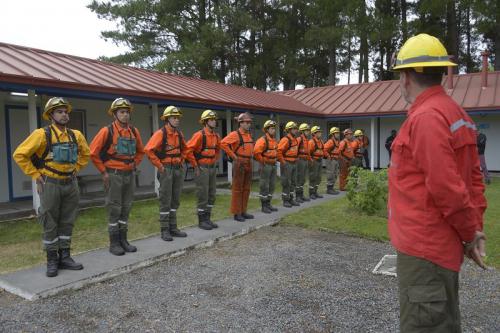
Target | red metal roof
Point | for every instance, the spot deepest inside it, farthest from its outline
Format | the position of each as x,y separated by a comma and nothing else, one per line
41,68
384,97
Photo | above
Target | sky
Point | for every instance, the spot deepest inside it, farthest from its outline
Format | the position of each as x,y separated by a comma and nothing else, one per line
65,26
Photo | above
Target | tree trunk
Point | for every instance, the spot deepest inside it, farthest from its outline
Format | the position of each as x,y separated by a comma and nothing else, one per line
451,15
496,46
332,67
468,62
404,22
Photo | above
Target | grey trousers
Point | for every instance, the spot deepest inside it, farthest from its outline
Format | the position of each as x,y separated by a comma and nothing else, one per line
171,181
57,214
119,197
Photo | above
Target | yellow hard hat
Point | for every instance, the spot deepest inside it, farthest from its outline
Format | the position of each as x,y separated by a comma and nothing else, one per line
334,130
120,103
304,127
421,51
269,123
171,111
207,115
289,125
54,103
358,133
315,129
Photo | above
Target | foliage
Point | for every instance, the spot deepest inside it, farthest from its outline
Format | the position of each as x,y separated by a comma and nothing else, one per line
266,44
366,190
340,217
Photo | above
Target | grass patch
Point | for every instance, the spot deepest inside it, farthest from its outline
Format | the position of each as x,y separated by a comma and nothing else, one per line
341,218
21,244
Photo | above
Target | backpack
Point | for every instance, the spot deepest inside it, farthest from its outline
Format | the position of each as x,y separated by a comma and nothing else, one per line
39,162
103,154
162,153
199,156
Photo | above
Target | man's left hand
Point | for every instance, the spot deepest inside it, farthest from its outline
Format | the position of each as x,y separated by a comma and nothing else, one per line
475,250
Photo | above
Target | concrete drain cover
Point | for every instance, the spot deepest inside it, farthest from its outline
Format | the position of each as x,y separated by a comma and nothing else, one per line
386,265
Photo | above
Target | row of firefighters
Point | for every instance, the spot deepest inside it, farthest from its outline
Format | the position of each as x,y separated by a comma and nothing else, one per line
53,155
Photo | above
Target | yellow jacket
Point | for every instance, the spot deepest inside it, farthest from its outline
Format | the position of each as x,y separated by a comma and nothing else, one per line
36,143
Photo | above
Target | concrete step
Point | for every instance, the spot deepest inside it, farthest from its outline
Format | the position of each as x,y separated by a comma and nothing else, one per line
101,265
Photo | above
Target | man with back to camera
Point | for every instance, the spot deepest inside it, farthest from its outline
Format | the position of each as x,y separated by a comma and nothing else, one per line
436,194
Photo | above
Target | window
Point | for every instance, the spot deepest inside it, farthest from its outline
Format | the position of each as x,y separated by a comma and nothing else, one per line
342,125
77,121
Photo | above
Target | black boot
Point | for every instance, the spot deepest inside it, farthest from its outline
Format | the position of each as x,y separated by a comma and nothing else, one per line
124,242
271,208
165,234
52,263
247,216
286,203
239,218
172,224
265,207
209,220
312,194
66,262
202,222
329,189
298,196
317,194
293,202
114,244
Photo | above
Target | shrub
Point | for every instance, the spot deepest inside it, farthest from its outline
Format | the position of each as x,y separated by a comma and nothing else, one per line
366,190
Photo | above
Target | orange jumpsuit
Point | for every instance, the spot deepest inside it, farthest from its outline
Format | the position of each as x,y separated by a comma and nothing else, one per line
239,147
346,154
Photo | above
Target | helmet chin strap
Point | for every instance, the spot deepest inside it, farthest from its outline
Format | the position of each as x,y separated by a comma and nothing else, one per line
168,121
121,122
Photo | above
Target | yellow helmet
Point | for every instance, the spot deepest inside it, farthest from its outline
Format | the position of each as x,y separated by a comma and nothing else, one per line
334,130
289,125
171,111
358,133
315,129
54,103
120,103
304,127
421,51
207,115
269,123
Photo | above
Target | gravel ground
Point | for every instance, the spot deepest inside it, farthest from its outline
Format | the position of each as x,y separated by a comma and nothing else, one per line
278,279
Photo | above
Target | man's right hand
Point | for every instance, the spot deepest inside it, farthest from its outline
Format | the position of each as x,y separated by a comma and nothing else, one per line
39,185
475,250
105,180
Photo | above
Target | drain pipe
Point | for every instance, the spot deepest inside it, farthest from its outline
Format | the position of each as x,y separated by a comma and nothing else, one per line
484,72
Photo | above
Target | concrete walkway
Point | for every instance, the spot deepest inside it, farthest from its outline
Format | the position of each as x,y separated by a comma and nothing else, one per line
100,265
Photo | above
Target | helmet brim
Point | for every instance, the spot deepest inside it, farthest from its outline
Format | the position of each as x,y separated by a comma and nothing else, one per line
425,64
